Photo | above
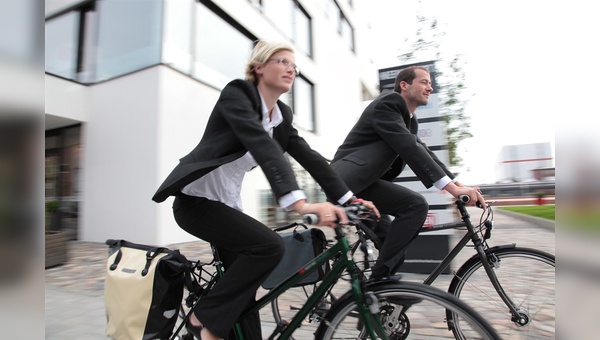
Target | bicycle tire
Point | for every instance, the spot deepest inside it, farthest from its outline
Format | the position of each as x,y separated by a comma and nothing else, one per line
528,278
424,317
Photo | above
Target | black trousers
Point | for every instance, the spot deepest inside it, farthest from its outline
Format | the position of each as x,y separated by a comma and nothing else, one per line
409,209
249,251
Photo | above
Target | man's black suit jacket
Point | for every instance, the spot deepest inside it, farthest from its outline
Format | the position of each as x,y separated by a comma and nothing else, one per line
380,145
234,128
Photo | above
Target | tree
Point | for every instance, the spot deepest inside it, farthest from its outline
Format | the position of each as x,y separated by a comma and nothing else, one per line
450,78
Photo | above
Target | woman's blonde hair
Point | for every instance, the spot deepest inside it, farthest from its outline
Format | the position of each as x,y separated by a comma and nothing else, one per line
261,54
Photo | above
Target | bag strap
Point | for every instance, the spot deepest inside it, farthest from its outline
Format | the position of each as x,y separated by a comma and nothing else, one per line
151,255
289,226
113,244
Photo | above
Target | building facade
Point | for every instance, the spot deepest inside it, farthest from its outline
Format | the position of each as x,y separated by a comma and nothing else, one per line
522,163
130,85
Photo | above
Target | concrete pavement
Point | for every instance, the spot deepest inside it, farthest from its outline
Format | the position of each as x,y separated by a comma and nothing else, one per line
74,291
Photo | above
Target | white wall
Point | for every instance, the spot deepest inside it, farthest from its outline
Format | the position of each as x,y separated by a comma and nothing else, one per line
184,107
67,99
119,168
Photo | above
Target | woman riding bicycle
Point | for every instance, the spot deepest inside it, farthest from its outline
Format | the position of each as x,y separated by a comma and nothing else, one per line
248,126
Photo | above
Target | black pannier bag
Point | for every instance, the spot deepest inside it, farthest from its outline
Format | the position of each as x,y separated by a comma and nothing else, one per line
143,290
301,246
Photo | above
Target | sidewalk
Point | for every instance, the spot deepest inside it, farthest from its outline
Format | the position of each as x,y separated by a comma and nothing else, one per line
74,291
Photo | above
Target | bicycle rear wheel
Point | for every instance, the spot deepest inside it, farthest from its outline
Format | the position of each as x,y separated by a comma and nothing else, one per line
527,277
407,311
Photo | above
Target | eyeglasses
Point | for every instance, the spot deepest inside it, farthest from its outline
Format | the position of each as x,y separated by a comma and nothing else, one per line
287,64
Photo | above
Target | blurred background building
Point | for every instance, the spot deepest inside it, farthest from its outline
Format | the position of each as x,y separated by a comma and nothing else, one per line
525,163
130,85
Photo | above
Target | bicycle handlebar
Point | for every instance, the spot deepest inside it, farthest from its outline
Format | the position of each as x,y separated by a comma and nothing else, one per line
355,213
466,199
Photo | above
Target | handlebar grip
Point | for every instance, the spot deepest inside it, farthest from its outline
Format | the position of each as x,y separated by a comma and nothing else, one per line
310,218
467,199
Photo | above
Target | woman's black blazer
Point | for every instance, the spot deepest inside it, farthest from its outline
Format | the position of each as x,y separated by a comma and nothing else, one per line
234,127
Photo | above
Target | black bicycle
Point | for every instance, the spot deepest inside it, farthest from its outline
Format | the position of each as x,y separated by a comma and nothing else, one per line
385,309
512,287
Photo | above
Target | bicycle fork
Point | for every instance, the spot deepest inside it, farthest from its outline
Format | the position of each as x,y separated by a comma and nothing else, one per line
491,262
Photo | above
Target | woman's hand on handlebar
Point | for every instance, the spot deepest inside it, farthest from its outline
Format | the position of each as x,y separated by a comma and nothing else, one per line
328,214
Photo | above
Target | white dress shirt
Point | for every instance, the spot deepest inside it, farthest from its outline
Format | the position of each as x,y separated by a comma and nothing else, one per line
224,184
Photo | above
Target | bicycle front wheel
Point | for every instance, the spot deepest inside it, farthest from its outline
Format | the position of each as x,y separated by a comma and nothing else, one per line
527,277
406,310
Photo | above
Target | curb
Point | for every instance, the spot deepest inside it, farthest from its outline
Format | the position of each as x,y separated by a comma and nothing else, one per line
537,221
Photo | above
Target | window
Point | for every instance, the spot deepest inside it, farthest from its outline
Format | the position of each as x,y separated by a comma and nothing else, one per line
340,22
347,32
62,173
129,34
302,30
219,58
99,40
303,100
281,13
178,36
333,12
62,36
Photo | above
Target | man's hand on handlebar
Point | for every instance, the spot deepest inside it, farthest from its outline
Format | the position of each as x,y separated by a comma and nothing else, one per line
475,196
367,204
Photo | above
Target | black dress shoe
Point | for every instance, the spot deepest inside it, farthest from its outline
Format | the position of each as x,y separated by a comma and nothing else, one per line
395,277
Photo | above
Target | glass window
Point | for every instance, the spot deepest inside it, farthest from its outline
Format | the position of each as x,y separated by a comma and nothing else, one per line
281,14
304,104
20,36
62,175
348,33
303,31
128,37
61,45
333,12
87,71
218,58
177,41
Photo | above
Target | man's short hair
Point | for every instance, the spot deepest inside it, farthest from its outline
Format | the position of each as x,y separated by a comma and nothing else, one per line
407,75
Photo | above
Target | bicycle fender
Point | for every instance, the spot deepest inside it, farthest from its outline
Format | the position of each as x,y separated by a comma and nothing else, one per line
502,246
369,286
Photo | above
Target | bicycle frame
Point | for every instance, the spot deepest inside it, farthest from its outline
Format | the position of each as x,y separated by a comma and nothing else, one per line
471,235
345,262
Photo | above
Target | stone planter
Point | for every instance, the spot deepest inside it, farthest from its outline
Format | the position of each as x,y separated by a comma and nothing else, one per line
56,248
